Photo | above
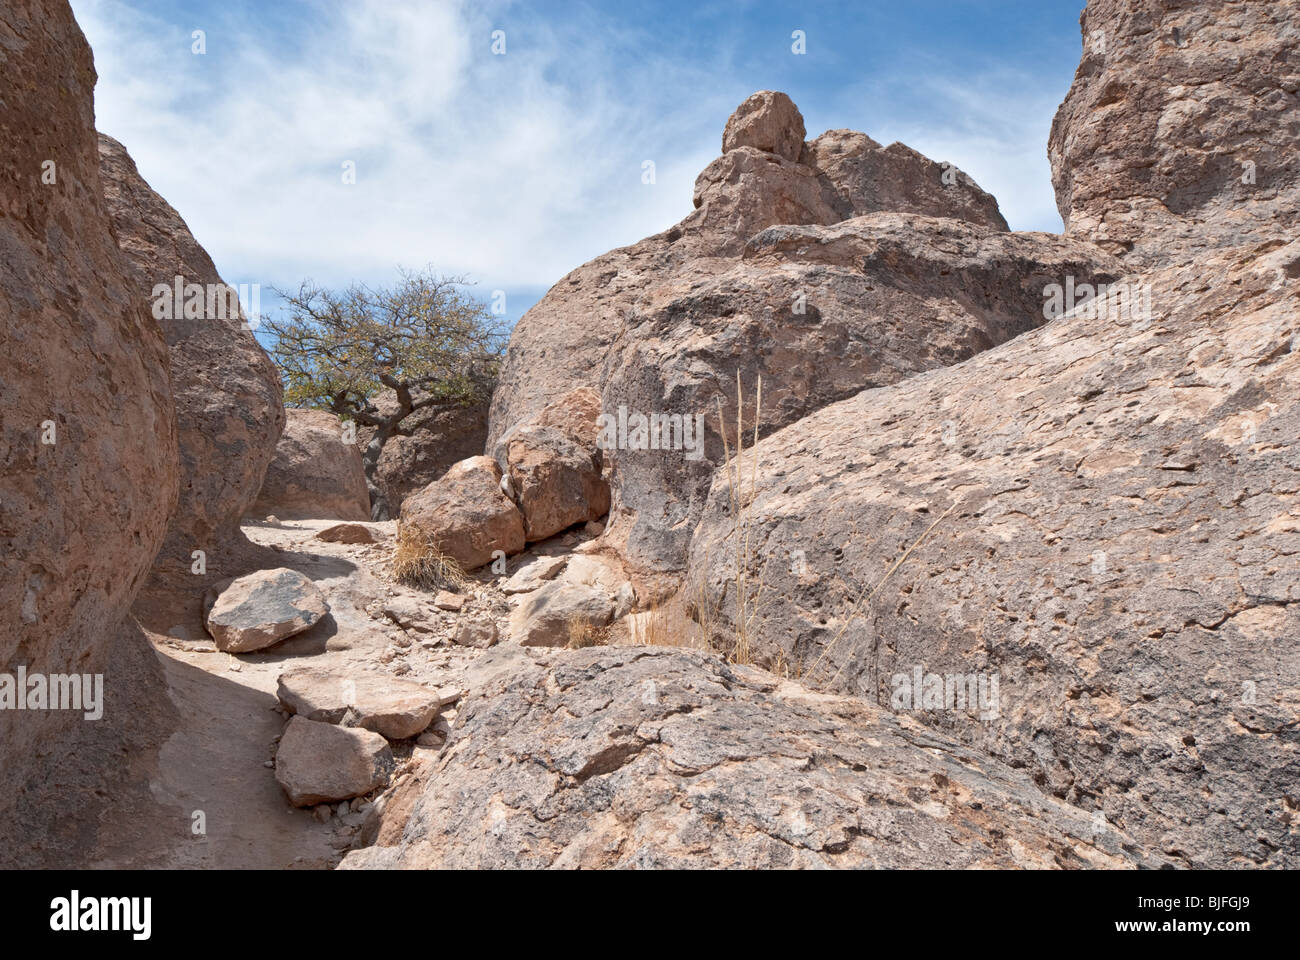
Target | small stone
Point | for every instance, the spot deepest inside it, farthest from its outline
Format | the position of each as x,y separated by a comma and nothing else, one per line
346,533
322,812
476,633
448,601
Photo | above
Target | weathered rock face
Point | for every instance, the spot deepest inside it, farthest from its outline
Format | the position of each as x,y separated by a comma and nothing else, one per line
1179,132
1101,513
869,178
766,177
643,757
826,269
227,392
262,608
465,516
322,763
315,473
409,464
88,463
818,313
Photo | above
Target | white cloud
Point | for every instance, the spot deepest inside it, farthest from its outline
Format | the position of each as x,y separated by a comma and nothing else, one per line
511,169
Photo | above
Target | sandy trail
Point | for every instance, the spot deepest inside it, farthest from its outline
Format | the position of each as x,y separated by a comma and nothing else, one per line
215,763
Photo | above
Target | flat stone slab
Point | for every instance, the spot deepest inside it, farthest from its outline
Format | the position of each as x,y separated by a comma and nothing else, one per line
397,709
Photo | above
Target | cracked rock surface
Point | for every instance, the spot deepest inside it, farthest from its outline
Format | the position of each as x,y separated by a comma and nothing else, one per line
653,757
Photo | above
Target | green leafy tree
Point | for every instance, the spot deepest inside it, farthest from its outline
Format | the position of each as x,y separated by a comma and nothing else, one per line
425,339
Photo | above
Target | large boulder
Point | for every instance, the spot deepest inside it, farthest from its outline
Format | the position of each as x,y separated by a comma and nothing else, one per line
1101,512
644,757
88,461
768,120
262,608
1178,134
465,515
227,392
316,472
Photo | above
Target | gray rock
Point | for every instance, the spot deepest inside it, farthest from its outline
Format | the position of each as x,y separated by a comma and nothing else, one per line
255,611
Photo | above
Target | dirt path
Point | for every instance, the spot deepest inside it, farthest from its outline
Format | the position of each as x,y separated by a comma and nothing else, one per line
217,763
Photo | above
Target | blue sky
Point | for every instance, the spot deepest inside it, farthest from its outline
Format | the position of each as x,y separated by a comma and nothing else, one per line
513,169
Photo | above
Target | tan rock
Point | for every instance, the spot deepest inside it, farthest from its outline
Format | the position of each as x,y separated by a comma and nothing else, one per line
543,618
476,633
322,763
556,482
769,121
227,392
465,515
346,533
315,473
396,709
88,450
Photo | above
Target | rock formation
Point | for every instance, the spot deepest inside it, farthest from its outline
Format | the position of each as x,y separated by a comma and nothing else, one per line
642,757
822,268
227,393
1102,511
1179,132
465,515
315,473
88,462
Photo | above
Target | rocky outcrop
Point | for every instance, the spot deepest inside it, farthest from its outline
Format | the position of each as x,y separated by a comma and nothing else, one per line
562,341
227,392
825,270
465,516
88,462
818,314
316,473
1179,132
1100,513
437,440
641,757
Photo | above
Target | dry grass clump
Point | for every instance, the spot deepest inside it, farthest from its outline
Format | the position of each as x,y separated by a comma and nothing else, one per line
584,633
417,562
